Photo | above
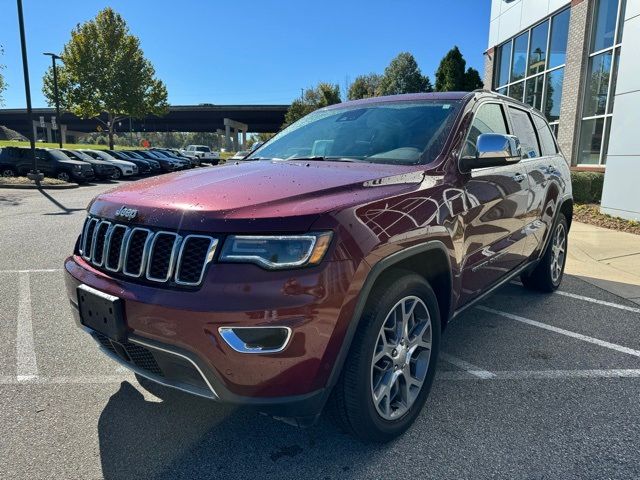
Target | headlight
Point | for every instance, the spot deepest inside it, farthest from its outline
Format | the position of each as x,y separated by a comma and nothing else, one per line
78,167
277,252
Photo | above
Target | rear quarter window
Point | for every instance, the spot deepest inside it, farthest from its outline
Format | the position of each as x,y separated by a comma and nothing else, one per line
523,129
547,142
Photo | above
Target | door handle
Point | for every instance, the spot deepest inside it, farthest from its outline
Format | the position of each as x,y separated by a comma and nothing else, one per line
518,177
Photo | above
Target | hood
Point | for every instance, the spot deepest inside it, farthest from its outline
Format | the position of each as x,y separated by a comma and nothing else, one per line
255,196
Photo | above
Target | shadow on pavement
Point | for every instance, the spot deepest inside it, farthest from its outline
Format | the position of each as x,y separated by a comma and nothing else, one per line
188,437
63,209
10,201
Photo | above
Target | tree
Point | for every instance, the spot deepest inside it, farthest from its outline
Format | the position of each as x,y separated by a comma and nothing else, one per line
472,80
452,77
3,84
450,74
104,70
323,95
364,86
403,76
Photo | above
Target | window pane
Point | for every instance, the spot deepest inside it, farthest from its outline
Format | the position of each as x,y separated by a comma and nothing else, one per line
519,57
546,139
502,91
554,129
517,91
534,91
488,119
538,48
597,84
559,35
553,95
504,57
604,25
523,129
607,132
590,141
614,81
623,10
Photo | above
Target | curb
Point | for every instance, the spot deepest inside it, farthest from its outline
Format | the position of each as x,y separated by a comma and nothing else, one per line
64,186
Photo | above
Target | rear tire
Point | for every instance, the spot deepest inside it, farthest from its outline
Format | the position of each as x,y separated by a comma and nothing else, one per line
7,172
116,174
64,176
389,370
547,276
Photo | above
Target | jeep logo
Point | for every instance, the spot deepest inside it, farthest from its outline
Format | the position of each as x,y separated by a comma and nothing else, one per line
128,213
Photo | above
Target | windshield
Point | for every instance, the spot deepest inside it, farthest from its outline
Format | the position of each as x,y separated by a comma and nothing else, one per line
396,132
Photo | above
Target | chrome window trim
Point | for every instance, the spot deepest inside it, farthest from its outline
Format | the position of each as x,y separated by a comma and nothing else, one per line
231,339
94,261
176,244
211,249
125,239
90,220
145,252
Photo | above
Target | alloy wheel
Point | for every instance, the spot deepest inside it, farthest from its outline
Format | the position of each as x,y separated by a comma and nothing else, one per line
7,172
64,176
558,249
401,358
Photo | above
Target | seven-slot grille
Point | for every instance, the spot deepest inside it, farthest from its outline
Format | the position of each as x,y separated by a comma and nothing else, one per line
157,256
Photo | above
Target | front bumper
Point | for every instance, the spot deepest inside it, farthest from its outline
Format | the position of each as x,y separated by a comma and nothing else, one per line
183,326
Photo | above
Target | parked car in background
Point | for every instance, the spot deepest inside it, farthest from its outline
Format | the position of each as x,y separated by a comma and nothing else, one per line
204,153
166,164
188,162
240,155
103,170
51,162
144,166
123,168
129,155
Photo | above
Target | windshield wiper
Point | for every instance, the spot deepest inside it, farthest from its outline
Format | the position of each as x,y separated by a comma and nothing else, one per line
321,158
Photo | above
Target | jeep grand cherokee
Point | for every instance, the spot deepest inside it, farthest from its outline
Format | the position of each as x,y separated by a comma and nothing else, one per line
325,273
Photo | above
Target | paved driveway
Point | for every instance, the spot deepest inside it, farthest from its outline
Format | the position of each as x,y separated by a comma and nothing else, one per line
529,386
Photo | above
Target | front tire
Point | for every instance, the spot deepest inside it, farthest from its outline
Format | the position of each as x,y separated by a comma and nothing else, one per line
116,174
547,276
64,176
391,364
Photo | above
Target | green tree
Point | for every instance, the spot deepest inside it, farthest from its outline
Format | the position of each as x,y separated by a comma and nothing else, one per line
323,95
452,77
472,80
364,86
3,84
450,74
403,76
104,71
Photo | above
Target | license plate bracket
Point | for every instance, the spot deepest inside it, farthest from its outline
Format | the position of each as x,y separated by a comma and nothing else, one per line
102,312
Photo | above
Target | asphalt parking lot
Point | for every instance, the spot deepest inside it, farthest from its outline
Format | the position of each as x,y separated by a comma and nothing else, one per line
529,386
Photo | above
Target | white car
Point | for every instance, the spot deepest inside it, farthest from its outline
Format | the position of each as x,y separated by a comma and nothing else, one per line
204,153
124,168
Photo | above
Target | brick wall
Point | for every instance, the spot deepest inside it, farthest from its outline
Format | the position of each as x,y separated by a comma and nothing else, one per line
489,58
574,72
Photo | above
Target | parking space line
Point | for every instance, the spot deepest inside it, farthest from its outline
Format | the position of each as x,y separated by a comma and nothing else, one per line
562,331
599,302
26,366
466,366
545,374
36,270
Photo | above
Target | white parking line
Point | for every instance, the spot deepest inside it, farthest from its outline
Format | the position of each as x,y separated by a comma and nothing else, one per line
37,270
599,302
545,374
466,366
562,331
26,366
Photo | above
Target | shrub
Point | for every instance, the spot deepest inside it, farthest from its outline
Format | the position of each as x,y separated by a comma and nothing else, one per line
587,186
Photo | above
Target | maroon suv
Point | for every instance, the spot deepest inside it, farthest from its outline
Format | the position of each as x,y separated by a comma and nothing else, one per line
325,271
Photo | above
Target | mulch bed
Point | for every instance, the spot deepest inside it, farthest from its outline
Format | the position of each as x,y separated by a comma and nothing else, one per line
590,213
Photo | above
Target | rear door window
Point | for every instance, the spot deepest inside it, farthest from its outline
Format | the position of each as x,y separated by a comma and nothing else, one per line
488,119
547,142
523,129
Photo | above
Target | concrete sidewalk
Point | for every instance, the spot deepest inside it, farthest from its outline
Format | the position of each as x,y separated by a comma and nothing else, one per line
605,258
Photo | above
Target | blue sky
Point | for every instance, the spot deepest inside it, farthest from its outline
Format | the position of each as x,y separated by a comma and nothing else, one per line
246,52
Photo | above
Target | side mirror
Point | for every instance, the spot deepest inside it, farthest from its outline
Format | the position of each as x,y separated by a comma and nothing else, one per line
493,150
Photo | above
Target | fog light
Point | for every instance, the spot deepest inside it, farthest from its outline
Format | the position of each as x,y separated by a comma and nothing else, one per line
256,339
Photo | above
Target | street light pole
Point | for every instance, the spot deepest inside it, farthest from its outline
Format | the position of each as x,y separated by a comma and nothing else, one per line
34,174
55,57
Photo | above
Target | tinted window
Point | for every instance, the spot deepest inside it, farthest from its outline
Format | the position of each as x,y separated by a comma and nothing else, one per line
546,138
538,48
504,58
534,92
523,129
606,14
519,65
203,149
553,94
558,42
488,119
